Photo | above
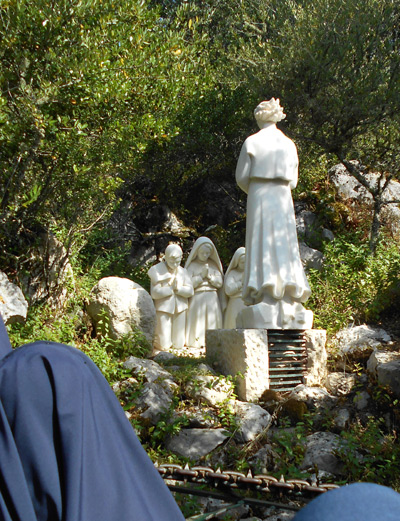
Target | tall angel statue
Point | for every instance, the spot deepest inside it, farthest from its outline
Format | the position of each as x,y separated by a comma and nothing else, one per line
205,269
275,285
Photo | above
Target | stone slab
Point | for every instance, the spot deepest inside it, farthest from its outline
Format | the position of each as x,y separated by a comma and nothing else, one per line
243,351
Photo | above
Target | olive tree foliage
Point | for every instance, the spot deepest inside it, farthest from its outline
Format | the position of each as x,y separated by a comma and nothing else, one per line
87,86
213,122
335,64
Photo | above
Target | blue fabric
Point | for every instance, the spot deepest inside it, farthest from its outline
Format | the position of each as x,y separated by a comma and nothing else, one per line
67,451
5,345
356,502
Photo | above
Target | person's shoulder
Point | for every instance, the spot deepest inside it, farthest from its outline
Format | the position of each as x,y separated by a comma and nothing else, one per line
157,269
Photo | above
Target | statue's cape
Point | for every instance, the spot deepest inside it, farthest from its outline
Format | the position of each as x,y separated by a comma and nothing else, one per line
67,451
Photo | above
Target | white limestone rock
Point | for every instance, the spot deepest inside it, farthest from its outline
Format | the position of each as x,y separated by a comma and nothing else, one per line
385,366
281,515
154,400
310,257
360,340
126,304
124,386
340,384
236,511
252,420
314,397
209,389
199,417
13,305
150,371
265,460
351,190
196,443
361,400
164,356
341,419
305,220
321,453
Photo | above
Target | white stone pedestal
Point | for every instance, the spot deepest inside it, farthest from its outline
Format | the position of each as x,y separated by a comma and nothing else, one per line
245,351
242,351
316,357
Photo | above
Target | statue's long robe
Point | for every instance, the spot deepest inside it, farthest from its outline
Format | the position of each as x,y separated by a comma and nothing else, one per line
267,171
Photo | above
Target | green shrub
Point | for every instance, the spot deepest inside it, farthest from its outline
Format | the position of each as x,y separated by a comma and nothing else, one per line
353,286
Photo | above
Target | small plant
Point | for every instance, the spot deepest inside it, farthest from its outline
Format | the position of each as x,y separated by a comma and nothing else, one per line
290,444
368,454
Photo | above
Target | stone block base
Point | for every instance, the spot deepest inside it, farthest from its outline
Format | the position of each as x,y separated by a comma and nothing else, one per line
316,357
243,351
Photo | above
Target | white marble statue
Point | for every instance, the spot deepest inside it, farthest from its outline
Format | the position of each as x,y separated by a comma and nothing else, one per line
205,269
171,287
275,285
233,285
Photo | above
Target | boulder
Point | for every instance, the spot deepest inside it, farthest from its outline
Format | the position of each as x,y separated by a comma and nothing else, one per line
199,417
156,392
196,443
124,305
265,460
311,258
321,451
352,191
340,384
13,305
385,366
150,371
281,515
341,419
251,420
153,401
209,389
360,341
224,510
314,397
164,356
309,228
361,400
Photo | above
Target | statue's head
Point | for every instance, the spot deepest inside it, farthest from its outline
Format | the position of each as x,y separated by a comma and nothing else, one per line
269,112
173,256
204,252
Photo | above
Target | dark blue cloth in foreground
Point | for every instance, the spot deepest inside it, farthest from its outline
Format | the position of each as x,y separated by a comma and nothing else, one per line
356,502
67,451
5,345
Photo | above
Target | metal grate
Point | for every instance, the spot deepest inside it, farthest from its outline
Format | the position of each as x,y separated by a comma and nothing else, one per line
287,358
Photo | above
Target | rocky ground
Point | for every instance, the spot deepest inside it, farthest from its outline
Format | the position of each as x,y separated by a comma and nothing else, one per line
345,431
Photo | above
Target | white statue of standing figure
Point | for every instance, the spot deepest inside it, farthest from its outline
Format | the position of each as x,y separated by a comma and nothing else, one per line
233,285
205,269
171,287
275,285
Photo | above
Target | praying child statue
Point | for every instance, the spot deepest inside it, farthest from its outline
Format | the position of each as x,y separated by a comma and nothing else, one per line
171,287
